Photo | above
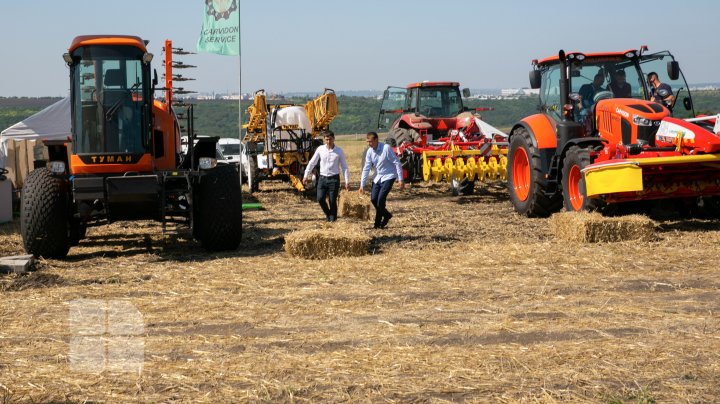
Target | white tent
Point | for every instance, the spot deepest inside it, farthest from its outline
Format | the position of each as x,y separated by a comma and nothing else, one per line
52,122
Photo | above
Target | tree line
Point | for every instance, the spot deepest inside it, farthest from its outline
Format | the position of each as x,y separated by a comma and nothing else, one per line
357,114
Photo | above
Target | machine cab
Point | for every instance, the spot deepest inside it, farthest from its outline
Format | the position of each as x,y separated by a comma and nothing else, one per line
438,102
111,93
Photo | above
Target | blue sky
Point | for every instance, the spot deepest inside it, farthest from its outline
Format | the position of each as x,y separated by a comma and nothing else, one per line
292,45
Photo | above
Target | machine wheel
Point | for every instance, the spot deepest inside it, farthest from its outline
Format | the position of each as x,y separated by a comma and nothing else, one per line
218,210
249,164
462,187
44,216
525,185
573,183
411,167
311,185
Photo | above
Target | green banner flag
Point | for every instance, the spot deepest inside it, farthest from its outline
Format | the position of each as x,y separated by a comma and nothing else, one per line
221,28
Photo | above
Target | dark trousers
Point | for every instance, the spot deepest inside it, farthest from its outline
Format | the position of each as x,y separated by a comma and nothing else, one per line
378,196
327,188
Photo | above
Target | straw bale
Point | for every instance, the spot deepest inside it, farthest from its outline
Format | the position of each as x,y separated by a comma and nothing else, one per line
328,241
594,228
355,205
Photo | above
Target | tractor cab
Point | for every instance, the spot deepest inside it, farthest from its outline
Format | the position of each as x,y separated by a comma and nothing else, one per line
427,107
599,91
112,97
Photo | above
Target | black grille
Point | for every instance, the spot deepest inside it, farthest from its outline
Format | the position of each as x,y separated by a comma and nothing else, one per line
626,129
656,107
647,133
641,108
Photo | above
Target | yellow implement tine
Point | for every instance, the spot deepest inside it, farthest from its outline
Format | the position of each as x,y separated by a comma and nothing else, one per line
503,168
426,169
437,169
470,168
448,169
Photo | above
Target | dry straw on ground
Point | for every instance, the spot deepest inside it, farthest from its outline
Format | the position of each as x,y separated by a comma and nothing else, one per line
355,205
330,240
594,228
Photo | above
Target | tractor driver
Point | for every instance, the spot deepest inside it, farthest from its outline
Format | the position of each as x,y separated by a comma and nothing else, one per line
619,87
588,91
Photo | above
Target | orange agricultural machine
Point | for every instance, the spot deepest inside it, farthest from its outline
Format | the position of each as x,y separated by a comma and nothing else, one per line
437,138
124,160
594,147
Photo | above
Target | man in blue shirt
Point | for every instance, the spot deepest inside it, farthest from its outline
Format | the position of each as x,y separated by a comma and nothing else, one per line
660,92
387,169
332,160
588,91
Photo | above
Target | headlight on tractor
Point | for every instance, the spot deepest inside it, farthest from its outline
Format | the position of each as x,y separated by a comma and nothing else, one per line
207,163
640,121
56,167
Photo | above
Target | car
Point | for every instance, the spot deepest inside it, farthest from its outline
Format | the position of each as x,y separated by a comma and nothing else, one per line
230,148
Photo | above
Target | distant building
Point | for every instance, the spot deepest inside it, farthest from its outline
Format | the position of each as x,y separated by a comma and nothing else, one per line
509,92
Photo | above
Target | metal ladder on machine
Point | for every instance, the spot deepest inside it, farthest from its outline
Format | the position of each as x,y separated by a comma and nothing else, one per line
176,199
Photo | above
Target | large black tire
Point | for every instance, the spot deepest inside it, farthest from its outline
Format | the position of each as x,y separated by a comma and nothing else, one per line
398,136
526,188
218,210
573,183
44,215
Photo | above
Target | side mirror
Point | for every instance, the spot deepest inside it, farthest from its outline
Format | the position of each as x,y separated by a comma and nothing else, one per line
535,79
155,79
687,103
466,92
673,70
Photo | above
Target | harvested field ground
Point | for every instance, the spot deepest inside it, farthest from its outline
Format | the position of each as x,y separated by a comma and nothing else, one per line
460,299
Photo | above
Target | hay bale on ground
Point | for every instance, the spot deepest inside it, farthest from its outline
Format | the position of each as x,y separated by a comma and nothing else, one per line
593,227
328,241
355,205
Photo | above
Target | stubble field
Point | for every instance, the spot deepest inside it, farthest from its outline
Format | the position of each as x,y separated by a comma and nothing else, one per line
460,299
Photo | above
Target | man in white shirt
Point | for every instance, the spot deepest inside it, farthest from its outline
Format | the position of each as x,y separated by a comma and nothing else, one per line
331,158
387,169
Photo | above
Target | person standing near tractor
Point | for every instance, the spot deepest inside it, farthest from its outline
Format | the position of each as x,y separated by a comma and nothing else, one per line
388,169
660,92
331,159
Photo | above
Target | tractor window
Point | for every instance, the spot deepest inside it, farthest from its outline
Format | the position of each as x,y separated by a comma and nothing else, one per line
108,110
550,91
681,105
393,104
439,102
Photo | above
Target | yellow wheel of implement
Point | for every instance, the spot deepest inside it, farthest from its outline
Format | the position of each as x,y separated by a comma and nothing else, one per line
470,168
448,169
482,170
494,168
459,170
437,169
503,168
426,167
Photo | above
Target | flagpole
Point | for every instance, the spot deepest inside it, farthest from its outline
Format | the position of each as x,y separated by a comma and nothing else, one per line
240,107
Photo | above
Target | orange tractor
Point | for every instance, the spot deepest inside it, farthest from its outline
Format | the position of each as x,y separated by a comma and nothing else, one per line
437,138
605,135
124,160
